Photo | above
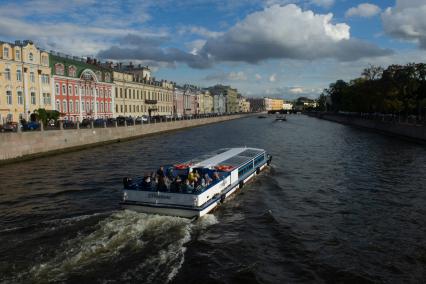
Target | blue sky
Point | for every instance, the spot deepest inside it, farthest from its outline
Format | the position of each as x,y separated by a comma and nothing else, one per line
278,48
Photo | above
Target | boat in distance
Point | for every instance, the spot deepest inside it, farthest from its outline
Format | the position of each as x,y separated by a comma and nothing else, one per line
194,188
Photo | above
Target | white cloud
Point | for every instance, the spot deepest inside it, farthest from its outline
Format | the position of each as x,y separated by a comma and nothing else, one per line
407,20
364,10
273,78
258,76
275,32
296,90
200,31
237,76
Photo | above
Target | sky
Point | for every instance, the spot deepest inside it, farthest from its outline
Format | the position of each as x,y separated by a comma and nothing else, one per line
276,48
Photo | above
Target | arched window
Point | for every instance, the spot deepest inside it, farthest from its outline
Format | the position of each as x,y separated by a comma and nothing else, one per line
82,106
58,105
64,106
70,90
64,90
32,77
102,107
71,108
57,89
31,56
77,106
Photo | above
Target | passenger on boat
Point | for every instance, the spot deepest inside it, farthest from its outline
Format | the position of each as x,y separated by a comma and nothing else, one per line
153,184
187,187
161,186
191,176
216,176
176,185
207,179
160,172
170,173
146,183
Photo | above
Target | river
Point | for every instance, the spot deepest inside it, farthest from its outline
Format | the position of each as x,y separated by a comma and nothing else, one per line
339,204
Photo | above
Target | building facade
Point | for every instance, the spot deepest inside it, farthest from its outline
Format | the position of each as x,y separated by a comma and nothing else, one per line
206,102
25,81
178,102
243,104
230,94
257,104
137,93
219,104
83,89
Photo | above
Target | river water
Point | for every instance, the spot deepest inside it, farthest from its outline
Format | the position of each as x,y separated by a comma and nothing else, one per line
338,205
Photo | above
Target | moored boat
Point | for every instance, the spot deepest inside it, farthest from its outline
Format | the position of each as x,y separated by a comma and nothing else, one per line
194,188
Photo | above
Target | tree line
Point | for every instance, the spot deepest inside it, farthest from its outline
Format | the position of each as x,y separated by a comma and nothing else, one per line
397,89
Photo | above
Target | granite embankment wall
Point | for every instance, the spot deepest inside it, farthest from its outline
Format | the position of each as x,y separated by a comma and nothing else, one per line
26,145
408,131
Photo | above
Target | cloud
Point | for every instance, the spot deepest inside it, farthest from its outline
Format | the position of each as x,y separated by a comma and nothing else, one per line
296,90
406,21
226,77
364,10
201,31
323,3
273,78
258,76
274,33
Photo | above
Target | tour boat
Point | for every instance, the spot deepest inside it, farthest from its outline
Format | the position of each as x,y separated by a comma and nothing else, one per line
224,171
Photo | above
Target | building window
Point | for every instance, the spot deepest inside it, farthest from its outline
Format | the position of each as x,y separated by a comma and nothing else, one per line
33,98
71,107
87,107
64,106
44,60
46,98
58,105
72,71
97,106
7,74
5,52
82,106
18,75
102,107
9,97
59,69
20,98
32,78
77,106
64,90
18,55
92,107
57,89
31,56
76,91
70,90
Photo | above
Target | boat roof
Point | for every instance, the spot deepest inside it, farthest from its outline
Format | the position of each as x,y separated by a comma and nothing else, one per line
228,156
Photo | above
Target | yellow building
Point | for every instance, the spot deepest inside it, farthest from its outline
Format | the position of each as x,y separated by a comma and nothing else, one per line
24,80
277,104
205,102
243,104
137,96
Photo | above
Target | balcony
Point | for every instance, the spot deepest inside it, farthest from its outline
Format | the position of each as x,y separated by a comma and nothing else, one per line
151,102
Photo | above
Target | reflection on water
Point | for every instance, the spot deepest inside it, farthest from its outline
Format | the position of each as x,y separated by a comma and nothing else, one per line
338,205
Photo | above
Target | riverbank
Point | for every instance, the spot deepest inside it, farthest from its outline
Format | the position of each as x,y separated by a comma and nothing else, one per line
29,145
411,132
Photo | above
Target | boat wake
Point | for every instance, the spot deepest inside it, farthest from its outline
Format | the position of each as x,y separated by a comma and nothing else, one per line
150,248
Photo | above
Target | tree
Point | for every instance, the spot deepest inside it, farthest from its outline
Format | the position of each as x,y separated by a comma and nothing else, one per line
46,115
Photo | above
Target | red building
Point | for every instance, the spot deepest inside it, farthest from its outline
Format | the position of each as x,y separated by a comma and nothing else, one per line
82,90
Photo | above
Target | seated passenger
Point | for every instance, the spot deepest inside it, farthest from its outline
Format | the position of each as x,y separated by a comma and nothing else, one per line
191,176
187,187
146,183
207,179
161,186
170,173
216,176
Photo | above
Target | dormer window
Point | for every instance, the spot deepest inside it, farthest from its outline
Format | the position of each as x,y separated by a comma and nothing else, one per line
72,71
6,52
59,69
31,56
18,55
